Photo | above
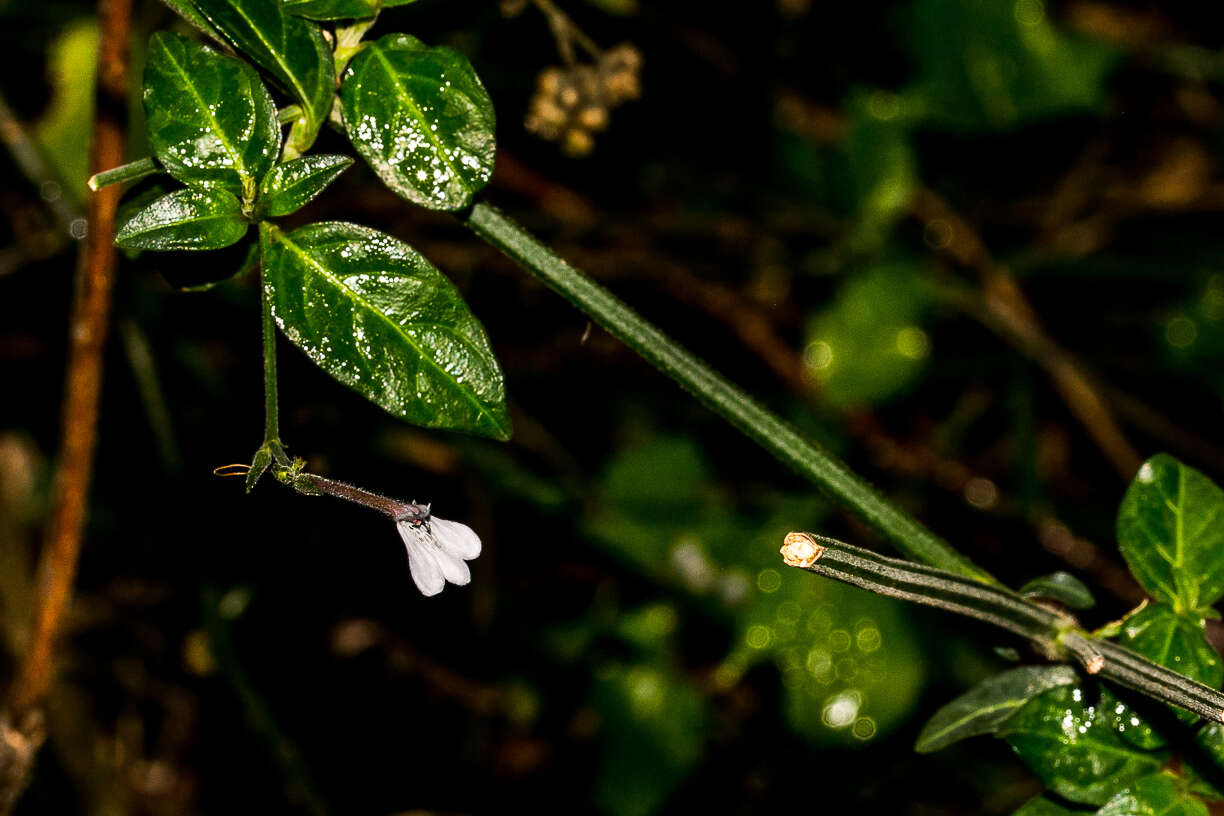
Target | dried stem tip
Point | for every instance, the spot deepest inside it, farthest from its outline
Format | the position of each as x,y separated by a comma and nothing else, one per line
800,550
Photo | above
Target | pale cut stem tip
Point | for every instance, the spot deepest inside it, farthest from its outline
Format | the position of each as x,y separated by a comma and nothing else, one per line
800,550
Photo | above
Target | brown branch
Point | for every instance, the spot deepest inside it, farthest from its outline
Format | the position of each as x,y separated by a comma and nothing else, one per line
1008,312
87,333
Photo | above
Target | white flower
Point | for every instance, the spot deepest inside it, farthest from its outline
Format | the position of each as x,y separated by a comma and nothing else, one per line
437,550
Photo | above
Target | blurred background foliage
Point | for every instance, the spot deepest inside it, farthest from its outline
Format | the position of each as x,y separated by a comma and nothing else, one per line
922,230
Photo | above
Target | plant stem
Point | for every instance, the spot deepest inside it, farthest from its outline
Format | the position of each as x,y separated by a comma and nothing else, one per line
1055,633
131,171
91,306
717,393
271,407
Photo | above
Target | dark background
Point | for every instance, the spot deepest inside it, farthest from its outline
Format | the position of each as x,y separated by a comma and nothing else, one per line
831,203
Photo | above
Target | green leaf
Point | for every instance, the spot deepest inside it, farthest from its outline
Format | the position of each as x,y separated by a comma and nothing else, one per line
210,119
653,735
988,705
187,10
290,48
1074,746
1041,806
289,186
422,120
378,317
63,131
331,9
869,344
185,219
1176,642
996,65
1203,763
1062,587
1171,531
1157,795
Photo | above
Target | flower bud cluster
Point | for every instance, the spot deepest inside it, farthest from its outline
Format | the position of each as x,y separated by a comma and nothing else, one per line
572,103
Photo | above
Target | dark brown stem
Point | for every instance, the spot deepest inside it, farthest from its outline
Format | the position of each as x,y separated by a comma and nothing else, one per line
87,333
312,483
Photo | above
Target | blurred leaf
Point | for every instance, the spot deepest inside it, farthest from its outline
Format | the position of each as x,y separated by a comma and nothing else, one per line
984,708
1171,533
1075,746
290,48
649,628
1156,795
422,119
654,727
331,9
289,186
377,316
998,64
186,219
1062,587
882,167
63,131
1041,806
869,344
1203,766
850,665
210,120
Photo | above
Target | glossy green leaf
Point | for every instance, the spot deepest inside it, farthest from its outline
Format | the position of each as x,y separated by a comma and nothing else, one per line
422,119
1176,642
290,48
1073,744
988,705
1157,795
869,343
188,11
378,317
331,9
1062,587
1171,531
210,120
1042,806
185,219
289,186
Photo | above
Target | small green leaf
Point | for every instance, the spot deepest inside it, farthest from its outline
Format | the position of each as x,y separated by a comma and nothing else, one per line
290,48
185,219
378,317
259,466
1041,806
421,118
289,186
331,9
1157,795
988,705
210,119
1171,531
1203,762
1175,642
1062,587
1074,746
187,10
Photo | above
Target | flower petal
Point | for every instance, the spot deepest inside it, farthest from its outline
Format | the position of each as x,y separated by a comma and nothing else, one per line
456,538
455,569
426,572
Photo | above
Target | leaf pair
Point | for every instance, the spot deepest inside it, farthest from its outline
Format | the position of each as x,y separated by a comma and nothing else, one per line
213,127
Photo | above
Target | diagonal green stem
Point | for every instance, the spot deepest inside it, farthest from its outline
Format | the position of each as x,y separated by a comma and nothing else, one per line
1054,633
717,393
